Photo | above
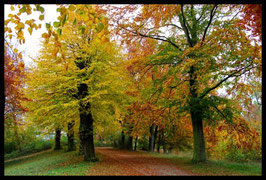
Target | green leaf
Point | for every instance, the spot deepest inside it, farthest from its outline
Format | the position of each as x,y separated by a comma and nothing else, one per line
75,21
100,26
23,9
59,31
48,25
39,8
82,29
64,20
56,24
58,9
80,12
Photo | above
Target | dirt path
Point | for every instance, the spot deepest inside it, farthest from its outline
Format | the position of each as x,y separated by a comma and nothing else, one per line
123,162
26,156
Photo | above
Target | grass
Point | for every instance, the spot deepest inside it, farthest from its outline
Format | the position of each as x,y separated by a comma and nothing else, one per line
69,163
213,167
49,163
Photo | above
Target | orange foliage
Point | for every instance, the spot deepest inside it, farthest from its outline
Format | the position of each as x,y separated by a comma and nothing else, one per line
252,19
13,75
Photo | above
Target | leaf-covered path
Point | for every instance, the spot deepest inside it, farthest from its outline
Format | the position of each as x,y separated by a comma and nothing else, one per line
123,162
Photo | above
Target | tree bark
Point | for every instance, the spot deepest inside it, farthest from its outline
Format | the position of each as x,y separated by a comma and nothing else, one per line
86,125
129,145
136,141
159,143
86,135
122,144
199,152
70,136
155,136
57,139
163,142
152,138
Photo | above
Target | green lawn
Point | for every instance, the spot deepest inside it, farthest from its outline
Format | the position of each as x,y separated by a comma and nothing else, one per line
213,167
49,163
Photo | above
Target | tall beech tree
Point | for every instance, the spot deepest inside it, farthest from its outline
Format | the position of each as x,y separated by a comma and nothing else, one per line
89,62
205,49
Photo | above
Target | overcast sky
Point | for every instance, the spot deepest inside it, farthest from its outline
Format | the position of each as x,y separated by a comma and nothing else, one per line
31,46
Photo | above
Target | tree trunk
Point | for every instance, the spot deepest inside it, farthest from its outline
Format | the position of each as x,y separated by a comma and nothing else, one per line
86,125
159,143
136,141
57,139
199,154
163,142
155,136
129,145
86,133
152,138
122,144
70,136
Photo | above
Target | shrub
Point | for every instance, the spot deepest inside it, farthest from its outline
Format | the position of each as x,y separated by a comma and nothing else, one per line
33,147
236,155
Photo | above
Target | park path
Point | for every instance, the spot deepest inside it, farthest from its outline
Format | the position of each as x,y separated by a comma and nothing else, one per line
128,163
26,156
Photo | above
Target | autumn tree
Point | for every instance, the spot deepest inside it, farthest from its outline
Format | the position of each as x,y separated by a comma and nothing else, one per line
205,52
13,83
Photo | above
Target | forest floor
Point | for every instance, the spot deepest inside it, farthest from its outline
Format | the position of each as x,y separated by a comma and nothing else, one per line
116,162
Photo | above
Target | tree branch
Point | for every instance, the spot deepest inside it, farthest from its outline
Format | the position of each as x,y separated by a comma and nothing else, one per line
161,38
185,28
211,17
234,74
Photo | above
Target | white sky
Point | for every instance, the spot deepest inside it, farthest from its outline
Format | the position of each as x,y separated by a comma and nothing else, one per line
31,46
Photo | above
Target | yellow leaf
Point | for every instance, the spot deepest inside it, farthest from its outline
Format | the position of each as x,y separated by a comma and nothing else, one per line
21,25
10,36
21,65
15,50
41,17
28,11
55,52
30,30
45,35
71,8
12,8
20,55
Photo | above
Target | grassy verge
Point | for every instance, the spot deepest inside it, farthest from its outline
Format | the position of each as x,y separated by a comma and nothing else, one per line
49,163
213,167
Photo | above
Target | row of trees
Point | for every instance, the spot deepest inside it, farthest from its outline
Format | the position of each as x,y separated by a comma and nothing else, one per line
160,82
